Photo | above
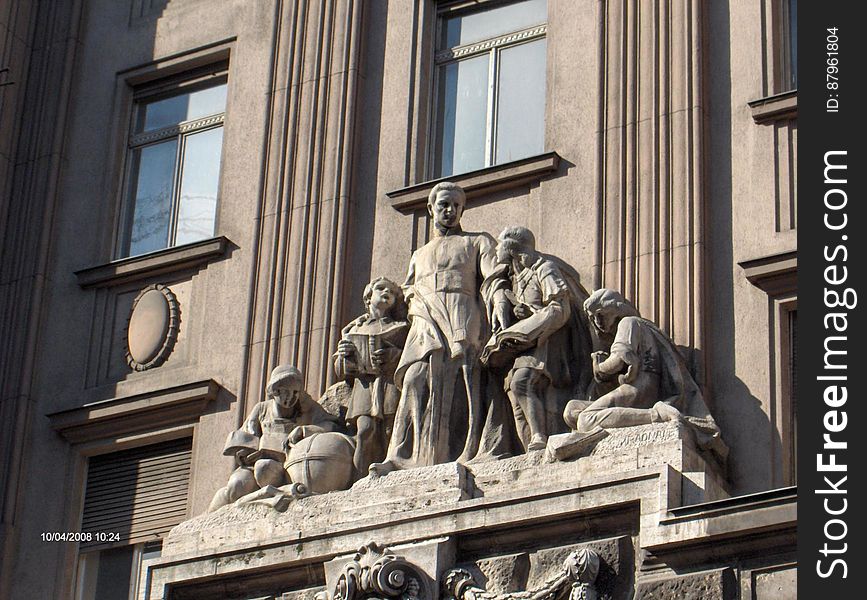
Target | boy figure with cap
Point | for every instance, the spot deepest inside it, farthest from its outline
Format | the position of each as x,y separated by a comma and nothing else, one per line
284,418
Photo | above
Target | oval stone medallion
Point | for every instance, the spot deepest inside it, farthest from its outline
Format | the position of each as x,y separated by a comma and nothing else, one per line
152,327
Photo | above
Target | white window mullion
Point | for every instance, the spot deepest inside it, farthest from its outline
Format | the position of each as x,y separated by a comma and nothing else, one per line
176,190
492,104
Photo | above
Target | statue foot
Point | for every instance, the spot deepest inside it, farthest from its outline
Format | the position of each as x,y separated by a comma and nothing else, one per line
537,442
380,469
662,412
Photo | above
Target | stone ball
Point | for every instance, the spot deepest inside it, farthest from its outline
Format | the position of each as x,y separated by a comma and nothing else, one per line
322,462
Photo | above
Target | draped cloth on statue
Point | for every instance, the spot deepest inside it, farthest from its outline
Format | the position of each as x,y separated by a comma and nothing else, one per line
442,415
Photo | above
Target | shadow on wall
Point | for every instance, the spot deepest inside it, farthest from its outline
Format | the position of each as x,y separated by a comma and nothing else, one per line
366,172
745,425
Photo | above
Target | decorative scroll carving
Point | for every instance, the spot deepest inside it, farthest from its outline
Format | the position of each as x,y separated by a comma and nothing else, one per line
373,573
580,570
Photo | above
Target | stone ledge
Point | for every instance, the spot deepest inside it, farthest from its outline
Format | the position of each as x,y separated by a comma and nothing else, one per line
780,107
452,489
154,263
120,416
480,182
775,274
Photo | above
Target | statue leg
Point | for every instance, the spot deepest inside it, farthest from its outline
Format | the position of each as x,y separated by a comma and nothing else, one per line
241,483
625,406
221,498
403,451
367,446
525,387
269,472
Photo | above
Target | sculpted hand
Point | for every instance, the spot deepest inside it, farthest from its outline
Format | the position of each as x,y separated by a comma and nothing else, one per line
345,348
522,311
296,435
379,357
241,457
597,358
500,316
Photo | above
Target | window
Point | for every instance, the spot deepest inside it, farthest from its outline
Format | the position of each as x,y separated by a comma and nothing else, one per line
777,276
490,86
173,165
787,46
132,499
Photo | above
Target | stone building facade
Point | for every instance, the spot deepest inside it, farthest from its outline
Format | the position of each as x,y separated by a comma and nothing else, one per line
194,192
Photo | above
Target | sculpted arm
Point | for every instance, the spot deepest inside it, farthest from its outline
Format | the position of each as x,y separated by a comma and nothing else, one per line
623,350
555,297
253,424
494,283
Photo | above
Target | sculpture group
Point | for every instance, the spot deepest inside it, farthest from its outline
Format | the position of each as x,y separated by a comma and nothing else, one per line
489,348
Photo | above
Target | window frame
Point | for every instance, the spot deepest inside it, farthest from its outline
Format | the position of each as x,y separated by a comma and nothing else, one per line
189,81
776,276
785,58
491,46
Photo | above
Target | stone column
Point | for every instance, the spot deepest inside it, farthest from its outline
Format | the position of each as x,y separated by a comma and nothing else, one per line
300,257
650,181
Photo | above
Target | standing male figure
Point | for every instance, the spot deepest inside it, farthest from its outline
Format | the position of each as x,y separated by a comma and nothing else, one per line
545,350
453,285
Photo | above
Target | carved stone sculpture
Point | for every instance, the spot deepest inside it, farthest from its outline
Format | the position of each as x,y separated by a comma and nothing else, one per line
576,580
547,349
286,417
375,573
442,415
367,356
640,376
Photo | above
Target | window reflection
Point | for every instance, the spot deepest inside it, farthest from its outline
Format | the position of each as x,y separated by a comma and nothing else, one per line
174,169
521,102
198,199
490,96
155,166
185,107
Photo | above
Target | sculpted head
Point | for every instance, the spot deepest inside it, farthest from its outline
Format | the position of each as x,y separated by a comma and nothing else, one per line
445,204
384,297
285,386
606,307
516,243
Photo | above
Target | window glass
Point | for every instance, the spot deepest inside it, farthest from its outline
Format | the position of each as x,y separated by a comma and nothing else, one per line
474,27
154,168
185,107
521,105
174,171
198,199
490,97
105,575
793,44
464,102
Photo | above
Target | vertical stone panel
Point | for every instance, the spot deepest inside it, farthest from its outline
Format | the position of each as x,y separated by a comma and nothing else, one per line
651,152
37,44
298,304
785,174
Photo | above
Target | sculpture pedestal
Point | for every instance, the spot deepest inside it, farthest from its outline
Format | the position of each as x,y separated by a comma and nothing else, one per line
511,522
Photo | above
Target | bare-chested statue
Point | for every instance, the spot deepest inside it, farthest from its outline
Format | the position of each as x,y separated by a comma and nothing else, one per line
454,284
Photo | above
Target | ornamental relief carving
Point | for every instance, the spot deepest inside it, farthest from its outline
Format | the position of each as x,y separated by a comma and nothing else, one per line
152,328
374,573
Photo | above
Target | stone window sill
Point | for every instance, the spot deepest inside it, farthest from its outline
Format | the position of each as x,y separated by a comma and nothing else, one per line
775,275
779,107
482,181
153,263
109,419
